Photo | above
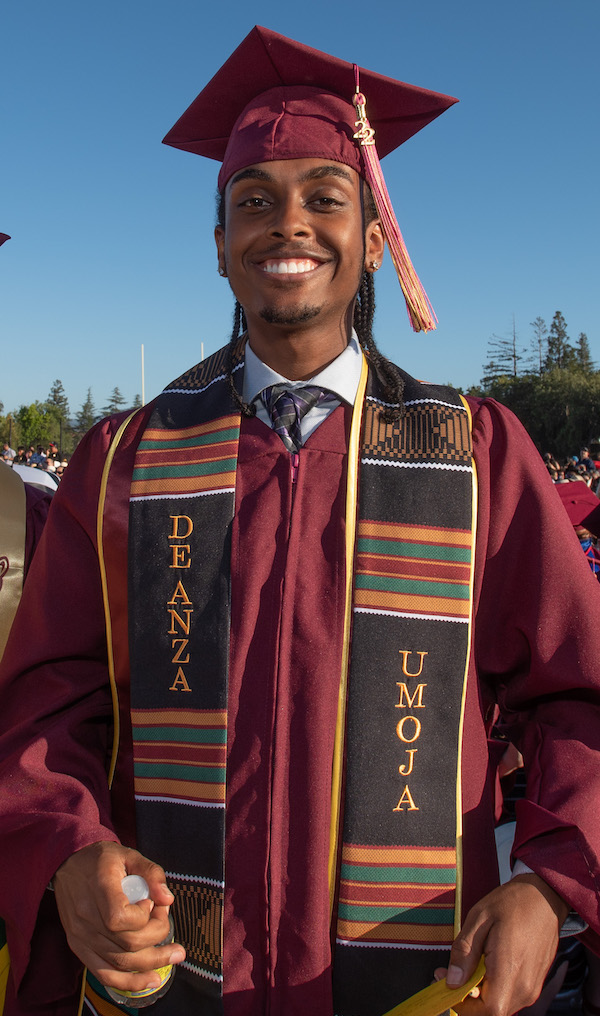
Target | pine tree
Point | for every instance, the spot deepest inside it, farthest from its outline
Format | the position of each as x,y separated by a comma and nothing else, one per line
538,346
560,352
86,416
115,402
582,352
58,400
137,402
505,356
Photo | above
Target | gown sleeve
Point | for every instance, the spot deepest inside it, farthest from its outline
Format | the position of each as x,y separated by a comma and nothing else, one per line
538,615
55,705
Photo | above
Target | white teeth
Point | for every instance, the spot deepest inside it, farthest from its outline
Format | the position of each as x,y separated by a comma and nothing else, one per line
288,267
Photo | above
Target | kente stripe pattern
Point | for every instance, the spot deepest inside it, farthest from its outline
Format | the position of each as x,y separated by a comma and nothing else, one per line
180,755
198,916
397,896
413,570
432,431
196,460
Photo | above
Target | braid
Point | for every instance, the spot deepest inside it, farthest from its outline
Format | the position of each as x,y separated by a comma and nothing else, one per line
387,372
239,327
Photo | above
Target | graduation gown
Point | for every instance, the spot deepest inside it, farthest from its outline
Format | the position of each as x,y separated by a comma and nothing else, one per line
535,604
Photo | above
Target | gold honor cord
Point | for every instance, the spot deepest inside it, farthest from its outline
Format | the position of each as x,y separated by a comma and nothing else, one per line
109,645
459,827
12,547
338,746
4,969
82,995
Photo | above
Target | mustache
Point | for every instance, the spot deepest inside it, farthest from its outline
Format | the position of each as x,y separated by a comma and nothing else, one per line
292,250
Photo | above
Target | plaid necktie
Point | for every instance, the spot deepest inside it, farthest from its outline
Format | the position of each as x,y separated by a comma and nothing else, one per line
288,407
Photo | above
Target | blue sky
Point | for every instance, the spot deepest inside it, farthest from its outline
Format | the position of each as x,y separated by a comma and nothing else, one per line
112,231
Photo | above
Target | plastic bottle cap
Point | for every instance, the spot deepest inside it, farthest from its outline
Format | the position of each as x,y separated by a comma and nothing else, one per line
135,888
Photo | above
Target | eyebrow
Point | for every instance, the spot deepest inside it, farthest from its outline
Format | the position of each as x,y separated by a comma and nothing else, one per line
252,174
322,171
317,173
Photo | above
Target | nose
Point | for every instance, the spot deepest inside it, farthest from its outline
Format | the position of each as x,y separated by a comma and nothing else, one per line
289,219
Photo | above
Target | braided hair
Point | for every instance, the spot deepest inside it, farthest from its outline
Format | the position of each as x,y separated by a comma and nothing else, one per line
364,313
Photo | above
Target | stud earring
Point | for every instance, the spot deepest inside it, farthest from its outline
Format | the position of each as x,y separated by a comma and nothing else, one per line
375,265
222,272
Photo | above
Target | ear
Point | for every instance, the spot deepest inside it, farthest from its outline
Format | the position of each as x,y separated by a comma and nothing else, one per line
220,242
374,244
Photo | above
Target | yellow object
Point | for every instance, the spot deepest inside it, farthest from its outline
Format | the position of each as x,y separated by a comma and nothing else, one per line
4,968
438,997
338,745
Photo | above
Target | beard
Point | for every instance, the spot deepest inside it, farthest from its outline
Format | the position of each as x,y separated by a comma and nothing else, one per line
289,316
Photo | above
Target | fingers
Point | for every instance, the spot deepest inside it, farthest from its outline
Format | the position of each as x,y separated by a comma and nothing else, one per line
515,928
440,972
468,948
160,894
120,942
131,971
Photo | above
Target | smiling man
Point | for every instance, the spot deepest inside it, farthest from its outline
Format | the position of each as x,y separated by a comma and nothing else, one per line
299,583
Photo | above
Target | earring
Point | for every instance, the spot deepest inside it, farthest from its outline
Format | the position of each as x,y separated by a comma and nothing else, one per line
375,265
222,272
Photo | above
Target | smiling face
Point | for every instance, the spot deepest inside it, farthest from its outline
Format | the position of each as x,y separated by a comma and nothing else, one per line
294,247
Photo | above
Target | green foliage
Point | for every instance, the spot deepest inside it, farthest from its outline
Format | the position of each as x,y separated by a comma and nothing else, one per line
537,356
560,409
505,357
58,400
86,417
560,352
558,399
583,355
115,403
35,425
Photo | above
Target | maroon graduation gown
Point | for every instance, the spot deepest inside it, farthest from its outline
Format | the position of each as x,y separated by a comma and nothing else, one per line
535,605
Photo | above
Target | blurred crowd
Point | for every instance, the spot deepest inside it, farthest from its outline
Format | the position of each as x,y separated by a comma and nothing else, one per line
48,458
577,467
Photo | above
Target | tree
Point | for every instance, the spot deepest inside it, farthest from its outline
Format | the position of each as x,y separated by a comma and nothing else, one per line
583,355
538,345
33,425
505,356
137,402
86,416
59,400
560,352
115,403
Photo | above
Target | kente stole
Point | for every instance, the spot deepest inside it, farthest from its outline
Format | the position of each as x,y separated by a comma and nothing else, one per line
396,849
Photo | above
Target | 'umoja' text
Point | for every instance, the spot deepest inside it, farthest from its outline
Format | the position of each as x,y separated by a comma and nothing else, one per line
408,726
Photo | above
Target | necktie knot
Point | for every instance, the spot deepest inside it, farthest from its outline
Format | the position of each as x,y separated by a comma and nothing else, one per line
287,407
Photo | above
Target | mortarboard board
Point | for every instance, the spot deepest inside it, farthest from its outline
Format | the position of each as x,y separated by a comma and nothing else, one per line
581,505
275,98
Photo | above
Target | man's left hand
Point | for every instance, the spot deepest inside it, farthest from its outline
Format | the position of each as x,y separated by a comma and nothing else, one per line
516,928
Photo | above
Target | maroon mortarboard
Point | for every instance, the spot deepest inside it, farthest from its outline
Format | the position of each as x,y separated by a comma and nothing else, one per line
581,505
275,98
3,238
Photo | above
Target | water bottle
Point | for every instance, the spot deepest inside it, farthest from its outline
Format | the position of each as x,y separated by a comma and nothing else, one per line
136,888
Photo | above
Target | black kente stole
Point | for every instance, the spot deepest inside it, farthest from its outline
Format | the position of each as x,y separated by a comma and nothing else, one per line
394,863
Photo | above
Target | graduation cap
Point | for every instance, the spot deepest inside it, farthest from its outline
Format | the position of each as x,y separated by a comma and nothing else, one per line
581,505
275,98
